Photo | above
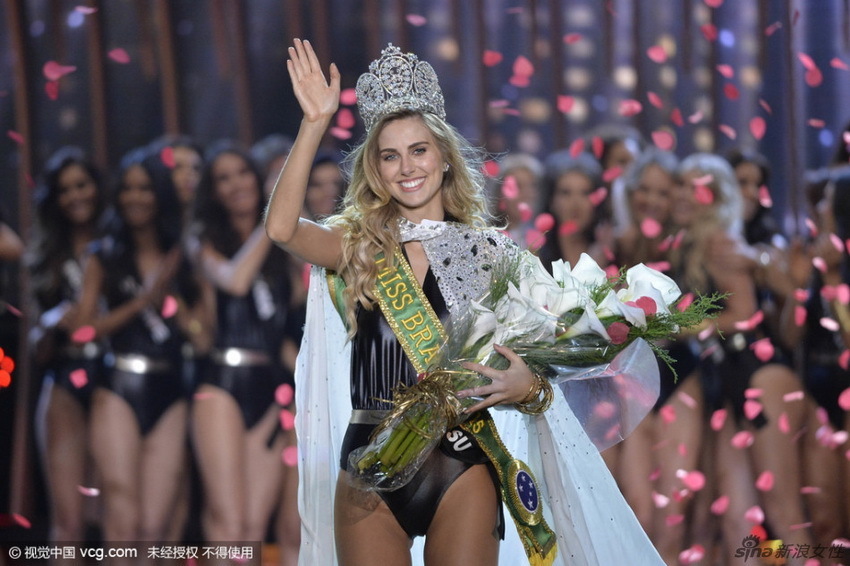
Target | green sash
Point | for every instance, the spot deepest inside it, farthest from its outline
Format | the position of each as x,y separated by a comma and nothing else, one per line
421,334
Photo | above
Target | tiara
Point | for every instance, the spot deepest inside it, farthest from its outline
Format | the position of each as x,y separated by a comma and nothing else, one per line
398,81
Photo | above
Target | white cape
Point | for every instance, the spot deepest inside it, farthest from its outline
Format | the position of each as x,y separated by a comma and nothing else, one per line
582,503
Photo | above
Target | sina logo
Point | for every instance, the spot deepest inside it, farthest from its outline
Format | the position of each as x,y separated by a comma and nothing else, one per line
750,548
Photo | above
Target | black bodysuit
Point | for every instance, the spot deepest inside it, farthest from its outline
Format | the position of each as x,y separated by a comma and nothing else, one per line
378,364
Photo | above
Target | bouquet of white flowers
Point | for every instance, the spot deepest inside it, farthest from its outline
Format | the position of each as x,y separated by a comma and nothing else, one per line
573,327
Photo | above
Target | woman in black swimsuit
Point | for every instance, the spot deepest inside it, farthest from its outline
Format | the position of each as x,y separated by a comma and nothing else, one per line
139,409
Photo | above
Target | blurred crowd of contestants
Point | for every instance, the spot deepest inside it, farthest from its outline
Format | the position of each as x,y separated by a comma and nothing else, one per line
165,327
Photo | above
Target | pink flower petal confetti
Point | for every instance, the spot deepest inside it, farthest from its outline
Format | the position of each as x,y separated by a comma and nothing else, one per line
837,63
753,393
693,480
798,395
726,70
836,242
676,117
54,71
814,77
345,118
597,146
88,491
764,197
567,228
79,378
816,122
731,92
659,265
657,54
630,107
51,88
166,155
752,409
663,140
612,173
844,397
510,189
491,168
287,419
598,196
689,401
565,103
83,334
742,439
525,212
751,323
571,38
763,103
85,10
763,349
696,117
650,227
692,555
784,423
709,31
807,61
829,292
534,239
713,3
654,99
728,131
830,324
673,520
801,295
706,332
772,28
810,490
340,133
544,222
169,307
667,414
284,394
348,97
757,127
718,419
703,194
523,67
416,20
842,293
15,137
491,58
720,505
660,501
576,147
289,456
754,515
765,481
119,55
685,302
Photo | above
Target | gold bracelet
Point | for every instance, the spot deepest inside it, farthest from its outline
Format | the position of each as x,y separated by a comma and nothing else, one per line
533,391
538,406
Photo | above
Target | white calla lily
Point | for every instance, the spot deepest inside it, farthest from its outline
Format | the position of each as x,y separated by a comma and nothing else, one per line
611,305
641,278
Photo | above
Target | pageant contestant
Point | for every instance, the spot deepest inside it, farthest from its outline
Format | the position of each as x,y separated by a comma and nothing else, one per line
416,196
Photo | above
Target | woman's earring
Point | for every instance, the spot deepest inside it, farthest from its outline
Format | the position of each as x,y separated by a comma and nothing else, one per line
445,168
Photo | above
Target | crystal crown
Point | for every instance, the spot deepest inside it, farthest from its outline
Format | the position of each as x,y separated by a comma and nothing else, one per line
398,81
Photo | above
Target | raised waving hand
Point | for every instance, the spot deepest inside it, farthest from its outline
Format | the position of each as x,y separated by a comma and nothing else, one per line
318,98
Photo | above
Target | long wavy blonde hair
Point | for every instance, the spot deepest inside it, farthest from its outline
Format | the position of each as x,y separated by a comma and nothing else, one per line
369,218
725,214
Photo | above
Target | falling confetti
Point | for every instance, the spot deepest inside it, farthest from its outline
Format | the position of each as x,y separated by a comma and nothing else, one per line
119,55
752,409
576,147
742,439
15,137
510,189
751,323
709,31
565,103
763,349
79,378
764,197
693,480
754,515
663,139
284,394
703,194
568,228
345,118
290,456
650,227
720,505
718,419
544,222
726,70
88,491
598,196
83,334
348,97
571,38
757,127
169,306
54,71
837,63
657,54
491,58
166,155
416,20
287,419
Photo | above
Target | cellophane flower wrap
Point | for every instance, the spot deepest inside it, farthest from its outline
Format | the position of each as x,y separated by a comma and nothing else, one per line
596,338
